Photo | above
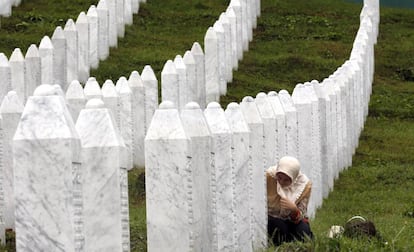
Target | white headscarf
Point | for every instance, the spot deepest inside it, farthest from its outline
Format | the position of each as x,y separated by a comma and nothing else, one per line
290,166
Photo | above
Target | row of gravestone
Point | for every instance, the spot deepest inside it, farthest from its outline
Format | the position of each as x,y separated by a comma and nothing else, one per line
205,183
71,52
131,104
6,7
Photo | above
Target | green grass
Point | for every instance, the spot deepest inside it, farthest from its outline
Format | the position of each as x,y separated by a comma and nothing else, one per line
295,41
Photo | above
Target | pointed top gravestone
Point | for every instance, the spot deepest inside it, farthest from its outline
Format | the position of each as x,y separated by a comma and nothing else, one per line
75,98
111,99
291,123
103,30
59,57
94,39
190,65
92,89
17,68
280,114
211,59
46,56
5,75
183,88
170,90
151,93
231,15
82,25
221,54
72,55
33,70
198,55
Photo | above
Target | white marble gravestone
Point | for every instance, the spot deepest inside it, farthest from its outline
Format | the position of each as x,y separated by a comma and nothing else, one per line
135,6
280,114
75,99
72,55
196,128
92,89
82,25
128,16
18,72
33,70
170,90
11,110
101,162
258,201
5,75
211,59
222,180
324,134
241,166
93,20
112,23
221,57
47,142
151,93
59,57
111,99
46,57
190,66
138,118
335,90
291,123
183,88
198,55
168,183
269,120
120,18
236,6
125,116
231,15
225,22
249,21
103,29
245,28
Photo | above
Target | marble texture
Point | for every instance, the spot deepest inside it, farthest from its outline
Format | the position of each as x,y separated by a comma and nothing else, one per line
190,66
111,100
196,128
258,201
291,123
59,57
125,117
168,183
269,121
242,172
11,110
3,185
47,142
75,99
236,6
198,55
92,89
225,22
82,25
112,23
280,114
151,93
221,57
93,20
138,119
183,87
120,18
326,164
211,59
101,159
103,29
245,28
223,179
339,123
17,69
249,21
72,55
231,15
5,75
33,70
46,58
170,89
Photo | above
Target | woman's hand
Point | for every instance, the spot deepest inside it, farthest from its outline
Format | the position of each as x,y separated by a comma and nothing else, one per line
287,204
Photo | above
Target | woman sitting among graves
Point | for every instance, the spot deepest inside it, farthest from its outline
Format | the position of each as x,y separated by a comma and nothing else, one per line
288,193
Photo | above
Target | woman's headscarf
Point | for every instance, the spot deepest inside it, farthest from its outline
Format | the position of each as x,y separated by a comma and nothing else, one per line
290,166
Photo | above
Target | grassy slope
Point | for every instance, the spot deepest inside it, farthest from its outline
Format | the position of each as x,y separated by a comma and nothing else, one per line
295,41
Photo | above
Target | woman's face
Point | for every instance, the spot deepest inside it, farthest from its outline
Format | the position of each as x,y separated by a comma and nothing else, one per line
283,179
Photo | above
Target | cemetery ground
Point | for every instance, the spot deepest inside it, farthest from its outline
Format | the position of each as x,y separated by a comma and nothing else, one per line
294,42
